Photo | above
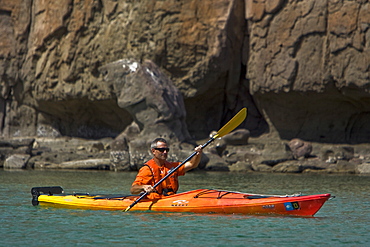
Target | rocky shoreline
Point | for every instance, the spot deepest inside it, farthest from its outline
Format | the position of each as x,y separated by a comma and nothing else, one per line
236,152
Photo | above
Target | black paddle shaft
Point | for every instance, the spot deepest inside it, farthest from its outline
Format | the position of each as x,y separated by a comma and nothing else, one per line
169,173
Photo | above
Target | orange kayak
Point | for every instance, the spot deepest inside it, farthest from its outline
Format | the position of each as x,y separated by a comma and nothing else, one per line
195,201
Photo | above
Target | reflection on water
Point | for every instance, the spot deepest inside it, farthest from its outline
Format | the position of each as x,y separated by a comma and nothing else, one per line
24,224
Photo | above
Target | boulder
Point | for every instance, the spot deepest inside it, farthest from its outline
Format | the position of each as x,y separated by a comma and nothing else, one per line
237,137
300,148
154,102
288,167
233,155
15,146
241,166
119,144
16,161
274,152
258,167
218,146
342,166
119,153
216,163
333,153
40,165
96,164
119,161
313,164
363,168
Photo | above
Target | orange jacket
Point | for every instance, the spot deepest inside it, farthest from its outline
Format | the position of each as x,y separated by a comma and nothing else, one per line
151,173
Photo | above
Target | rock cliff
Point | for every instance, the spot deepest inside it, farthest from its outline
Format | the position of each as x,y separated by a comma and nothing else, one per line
300,67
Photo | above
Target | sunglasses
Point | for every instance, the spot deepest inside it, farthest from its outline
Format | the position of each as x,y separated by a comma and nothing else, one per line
162,149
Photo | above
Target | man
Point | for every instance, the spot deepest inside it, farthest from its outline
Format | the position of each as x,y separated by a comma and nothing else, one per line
158,167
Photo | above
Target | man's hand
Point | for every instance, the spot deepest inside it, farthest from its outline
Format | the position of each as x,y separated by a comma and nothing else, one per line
137,189
148,188
199,149
194,162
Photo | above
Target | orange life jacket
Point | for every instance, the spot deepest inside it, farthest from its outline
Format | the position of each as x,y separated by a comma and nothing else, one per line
168,186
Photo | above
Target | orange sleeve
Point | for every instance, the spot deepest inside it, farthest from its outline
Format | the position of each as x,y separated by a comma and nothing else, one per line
144,176
181,170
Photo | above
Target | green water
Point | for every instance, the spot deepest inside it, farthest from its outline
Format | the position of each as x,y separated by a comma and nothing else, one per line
342,221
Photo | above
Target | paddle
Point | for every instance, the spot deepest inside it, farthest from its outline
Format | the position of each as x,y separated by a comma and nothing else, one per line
227,128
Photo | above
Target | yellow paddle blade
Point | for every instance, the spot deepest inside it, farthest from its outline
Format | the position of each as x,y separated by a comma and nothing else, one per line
232,124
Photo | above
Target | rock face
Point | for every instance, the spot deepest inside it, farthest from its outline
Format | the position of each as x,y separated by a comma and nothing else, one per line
52,51
300,67
309,68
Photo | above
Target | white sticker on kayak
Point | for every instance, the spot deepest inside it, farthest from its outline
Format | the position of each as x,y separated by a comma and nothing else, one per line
179,203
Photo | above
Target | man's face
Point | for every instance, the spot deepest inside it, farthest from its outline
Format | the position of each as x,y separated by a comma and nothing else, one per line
161,151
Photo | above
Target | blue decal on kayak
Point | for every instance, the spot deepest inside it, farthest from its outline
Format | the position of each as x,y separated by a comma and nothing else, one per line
289,206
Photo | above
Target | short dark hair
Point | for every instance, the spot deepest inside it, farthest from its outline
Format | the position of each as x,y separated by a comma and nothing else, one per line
154,143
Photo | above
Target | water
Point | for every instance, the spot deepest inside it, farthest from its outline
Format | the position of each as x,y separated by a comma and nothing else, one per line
342,221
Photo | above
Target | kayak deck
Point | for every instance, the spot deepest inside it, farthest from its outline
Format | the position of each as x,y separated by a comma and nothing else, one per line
195,201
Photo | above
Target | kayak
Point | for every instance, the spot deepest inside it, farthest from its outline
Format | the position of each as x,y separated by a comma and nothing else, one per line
195,201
